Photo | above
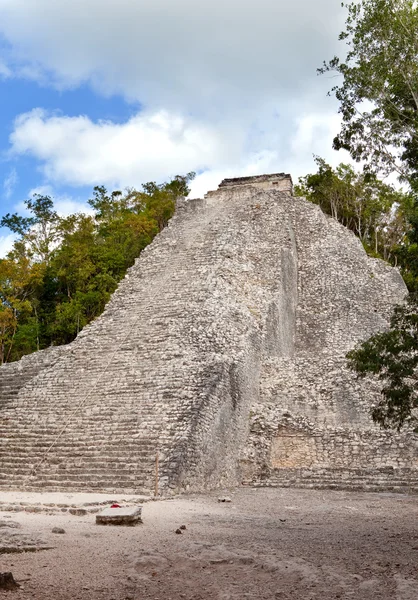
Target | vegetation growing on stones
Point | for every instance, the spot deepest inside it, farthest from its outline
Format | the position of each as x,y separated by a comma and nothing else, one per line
62,271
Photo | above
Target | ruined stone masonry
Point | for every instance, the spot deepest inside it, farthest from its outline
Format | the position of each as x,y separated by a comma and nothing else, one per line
222,350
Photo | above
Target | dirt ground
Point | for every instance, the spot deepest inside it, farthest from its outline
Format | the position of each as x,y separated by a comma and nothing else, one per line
275,543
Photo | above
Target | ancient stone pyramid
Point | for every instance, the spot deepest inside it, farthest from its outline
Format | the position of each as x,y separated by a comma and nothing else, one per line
222,351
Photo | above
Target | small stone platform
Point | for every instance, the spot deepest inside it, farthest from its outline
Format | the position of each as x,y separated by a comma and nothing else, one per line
128,515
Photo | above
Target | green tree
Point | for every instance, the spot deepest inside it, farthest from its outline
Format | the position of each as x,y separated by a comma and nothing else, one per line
378,100
373,210
379,93
39,232
62,271
20,282
407,252
392,357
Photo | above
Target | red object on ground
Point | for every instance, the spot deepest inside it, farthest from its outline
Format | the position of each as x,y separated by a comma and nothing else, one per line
115,505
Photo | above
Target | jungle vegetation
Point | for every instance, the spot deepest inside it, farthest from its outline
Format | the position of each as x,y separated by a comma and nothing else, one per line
62,270
377,91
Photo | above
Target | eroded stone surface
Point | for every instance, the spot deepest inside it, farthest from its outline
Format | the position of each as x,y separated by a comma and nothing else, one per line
222,352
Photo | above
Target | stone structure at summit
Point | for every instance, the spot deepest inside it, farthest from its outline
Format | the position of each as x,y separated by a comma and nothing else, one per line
222,351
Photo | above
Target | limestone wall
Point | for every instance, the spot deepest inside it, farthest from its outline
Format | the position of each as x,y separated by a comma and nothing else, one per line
276,181
313,422
222,351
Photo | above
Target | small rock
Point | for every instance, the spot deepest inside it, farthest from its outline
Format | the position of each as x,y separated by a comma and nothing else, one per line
58,530
183,527
224,499
7,581
179,531
10,524
79,512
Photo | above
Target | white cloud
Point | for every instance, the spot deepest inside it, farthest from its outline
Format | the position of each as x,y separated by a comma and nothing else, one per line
6,244
311,130
68,206
5,71
41,190
155,146
148,146
222,86
210,55
10,183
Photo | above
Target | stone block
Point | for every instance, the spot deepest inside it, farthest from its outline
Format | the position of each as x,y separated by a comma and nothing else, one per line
129,515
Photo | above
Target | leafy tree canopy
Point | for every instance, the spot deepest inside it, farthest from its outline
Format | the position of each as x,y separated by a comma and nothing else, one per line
379,93
378,99
62,271
39,232
392,356
372,209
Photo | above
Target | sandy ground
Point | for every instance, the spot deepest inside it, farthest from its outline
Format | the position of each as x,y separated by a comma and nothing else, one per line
274,543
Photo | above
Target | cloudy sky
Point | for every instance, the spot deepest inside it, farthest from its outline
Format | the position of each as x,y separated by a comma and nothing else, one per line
119,92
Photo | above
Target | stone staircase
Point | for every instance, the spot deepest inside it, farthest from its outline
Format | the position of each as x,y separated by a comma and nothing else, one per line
14,376
144,378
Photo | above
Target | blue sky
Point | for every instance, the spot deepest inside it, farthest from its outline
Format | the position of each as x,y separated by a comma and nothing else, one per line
19,96
126,91
22,173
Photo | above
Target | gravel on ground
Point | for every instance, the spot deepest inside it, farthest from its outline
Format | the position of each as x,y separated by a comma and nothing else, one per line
285,544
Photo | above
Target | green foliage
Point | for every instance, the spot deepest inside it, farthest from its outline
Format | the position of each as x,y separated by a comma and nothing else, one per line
392,357
62,271
38,233
373,210
20,282
379,93
407,253
378,100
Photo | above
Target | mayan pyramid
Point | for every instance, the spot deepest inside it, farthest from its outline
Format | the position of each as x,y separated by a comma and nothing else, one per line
222,354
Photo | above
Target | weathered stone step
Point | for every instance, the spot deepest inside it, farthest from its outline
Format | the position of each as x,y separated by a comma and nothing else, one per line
147,442
106,479
94,457
70,487
366,487
79,505
103,466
